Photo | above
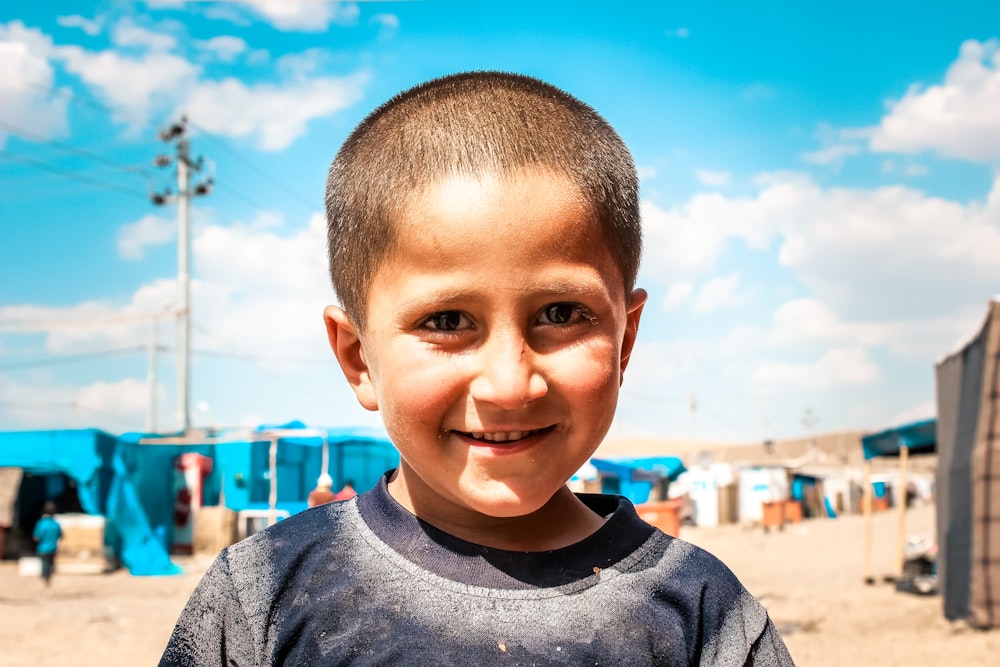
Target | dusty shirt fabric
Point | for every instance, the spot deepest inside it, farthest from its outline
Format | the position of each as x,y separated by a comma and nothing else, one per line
363,582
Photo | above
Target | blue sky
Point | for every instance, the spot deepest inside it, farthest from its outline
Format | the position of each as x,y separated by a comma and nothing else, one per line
820,195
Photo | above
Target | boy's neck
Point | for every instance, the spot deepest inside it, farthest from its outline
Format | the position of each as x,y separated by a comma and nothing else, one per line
561,522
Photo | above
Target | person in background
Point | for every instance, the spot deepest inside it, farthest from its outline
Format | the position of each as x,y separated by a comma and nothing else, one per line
323,493
47,534
347,492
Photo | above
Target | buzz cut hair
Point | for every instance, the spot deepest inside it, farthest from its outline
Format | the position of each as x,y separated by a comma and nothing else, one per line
471,124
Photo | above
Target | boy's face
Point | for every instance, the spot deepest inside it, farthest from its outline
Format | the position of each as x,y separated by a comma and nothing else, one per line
497,335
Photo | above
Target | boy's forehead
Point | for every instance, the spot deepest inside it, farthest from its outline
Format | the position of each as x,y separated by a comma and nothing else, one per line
461,197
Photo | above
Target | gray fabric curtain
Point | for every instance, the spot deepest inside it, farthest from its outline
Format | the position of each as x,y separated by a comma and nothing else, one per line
968,477
985,580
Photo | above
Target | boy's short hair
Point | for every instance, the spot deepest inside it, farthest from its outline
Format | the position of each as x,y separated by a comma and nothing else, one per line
470,124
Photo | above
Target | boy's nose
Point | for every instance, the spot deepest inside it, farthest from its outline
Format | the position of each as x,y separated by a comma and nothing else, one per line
507,374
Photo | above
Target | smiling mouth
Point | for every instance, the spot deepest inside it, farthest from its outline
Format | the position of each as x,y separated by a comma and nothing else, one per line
503,436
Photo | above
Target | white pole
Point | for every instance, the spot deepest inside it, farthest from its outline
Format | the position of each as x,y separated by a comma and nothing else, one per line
325,465
151,376
904,455
184,289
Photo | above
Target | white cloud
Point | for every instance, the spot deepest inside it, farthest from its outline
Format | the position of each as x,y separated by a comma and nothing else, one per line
278,114
26,83
132,85
125,399
646,172
90,27
687,241
926,410
306,16
835,368
224,47
911,169
713,178
388,24
253,291
148,230
677,294
834,154
275,114
679,33
127,33
44,403
958,118
807,323
718,293
890,254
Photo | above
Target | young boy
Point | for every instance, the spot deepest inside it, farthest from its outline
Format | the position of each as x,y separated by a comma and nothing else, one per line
484,243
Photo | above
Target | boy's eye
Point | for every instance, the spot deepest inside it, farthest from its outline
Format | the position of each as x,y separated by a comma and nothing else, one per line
446,320
562,313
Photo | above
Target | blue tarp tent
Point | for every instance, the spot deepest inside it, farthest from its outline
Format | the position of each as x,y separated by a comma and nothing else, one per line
93,460
240,477
634,477
919,438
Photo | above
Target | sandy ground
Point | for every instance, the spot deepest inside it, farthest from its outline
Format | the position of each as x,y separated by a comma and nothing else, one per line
809,576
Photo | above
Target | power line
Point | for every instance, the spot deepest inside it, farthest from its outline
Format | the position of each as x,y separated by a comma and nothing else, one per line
73,358
311,206
72,175
294,361
96,157
85,100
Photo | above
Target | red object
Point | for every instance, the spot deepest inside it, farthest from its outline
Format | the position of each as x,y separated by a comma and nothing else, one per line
345,493
793,511
320,496
190,470
665,515
773,515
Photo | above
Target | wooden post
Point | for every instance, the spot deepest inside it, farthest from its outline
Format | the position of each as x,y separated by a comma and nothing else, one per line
866,507
904,455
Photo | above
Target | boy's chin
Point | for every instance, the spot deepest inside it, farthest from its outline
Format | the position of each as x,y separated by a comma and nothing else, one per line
509,503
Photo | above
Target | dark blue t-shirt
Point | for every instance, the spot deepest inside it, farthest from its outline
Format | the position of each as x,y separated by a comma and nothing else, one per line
364,582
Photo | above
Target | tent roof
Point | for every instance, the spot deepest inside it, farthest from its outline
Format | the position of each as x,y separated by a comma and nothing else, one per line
651,468
918,437
310,437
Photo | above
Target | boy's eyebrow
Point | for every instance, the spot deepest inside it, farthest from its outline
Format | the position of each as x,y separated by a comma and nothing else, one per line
553,288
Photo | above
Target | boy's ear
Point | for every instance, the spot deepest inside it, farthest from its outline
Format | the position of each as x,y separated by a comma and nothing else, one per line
633,313
345,341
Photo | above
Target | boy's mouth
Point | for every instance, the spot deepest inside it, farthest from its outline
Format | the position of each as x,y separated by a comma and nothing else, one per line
503,436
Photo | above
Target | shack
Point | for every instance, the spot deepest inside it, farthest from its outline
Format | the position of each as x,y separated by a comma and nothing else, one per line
149,488
968,475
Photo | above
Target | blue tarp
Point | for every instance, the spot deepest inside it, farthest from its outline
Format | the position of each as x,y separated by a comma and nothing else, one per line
635,477
919,438
93,459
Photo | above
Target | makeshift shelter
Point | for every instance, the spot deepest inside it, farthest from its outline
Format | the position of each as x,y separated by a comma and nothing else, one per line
149,488
263,473
635,478
93,460
968,476
915,438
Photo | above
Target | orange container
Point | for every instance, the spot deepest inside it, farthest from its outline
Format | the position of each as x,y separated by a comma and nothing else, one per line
665,515
793,511
773,515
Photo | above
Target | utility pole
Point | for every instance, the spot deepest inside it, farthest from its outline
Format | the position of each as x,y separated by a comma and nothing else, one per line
177,133
809,421
151,375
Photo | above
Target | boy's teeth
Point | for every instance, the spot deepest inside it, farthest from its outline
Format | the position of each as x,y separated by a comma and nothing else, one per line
500,436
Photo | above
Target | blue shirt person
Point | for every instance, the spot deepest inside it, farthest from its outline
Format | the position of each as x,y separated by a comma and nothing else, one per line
47,534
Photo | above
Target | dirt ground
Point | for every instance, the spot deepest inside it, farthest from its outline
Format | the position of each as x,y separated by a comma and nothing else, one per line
809,576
